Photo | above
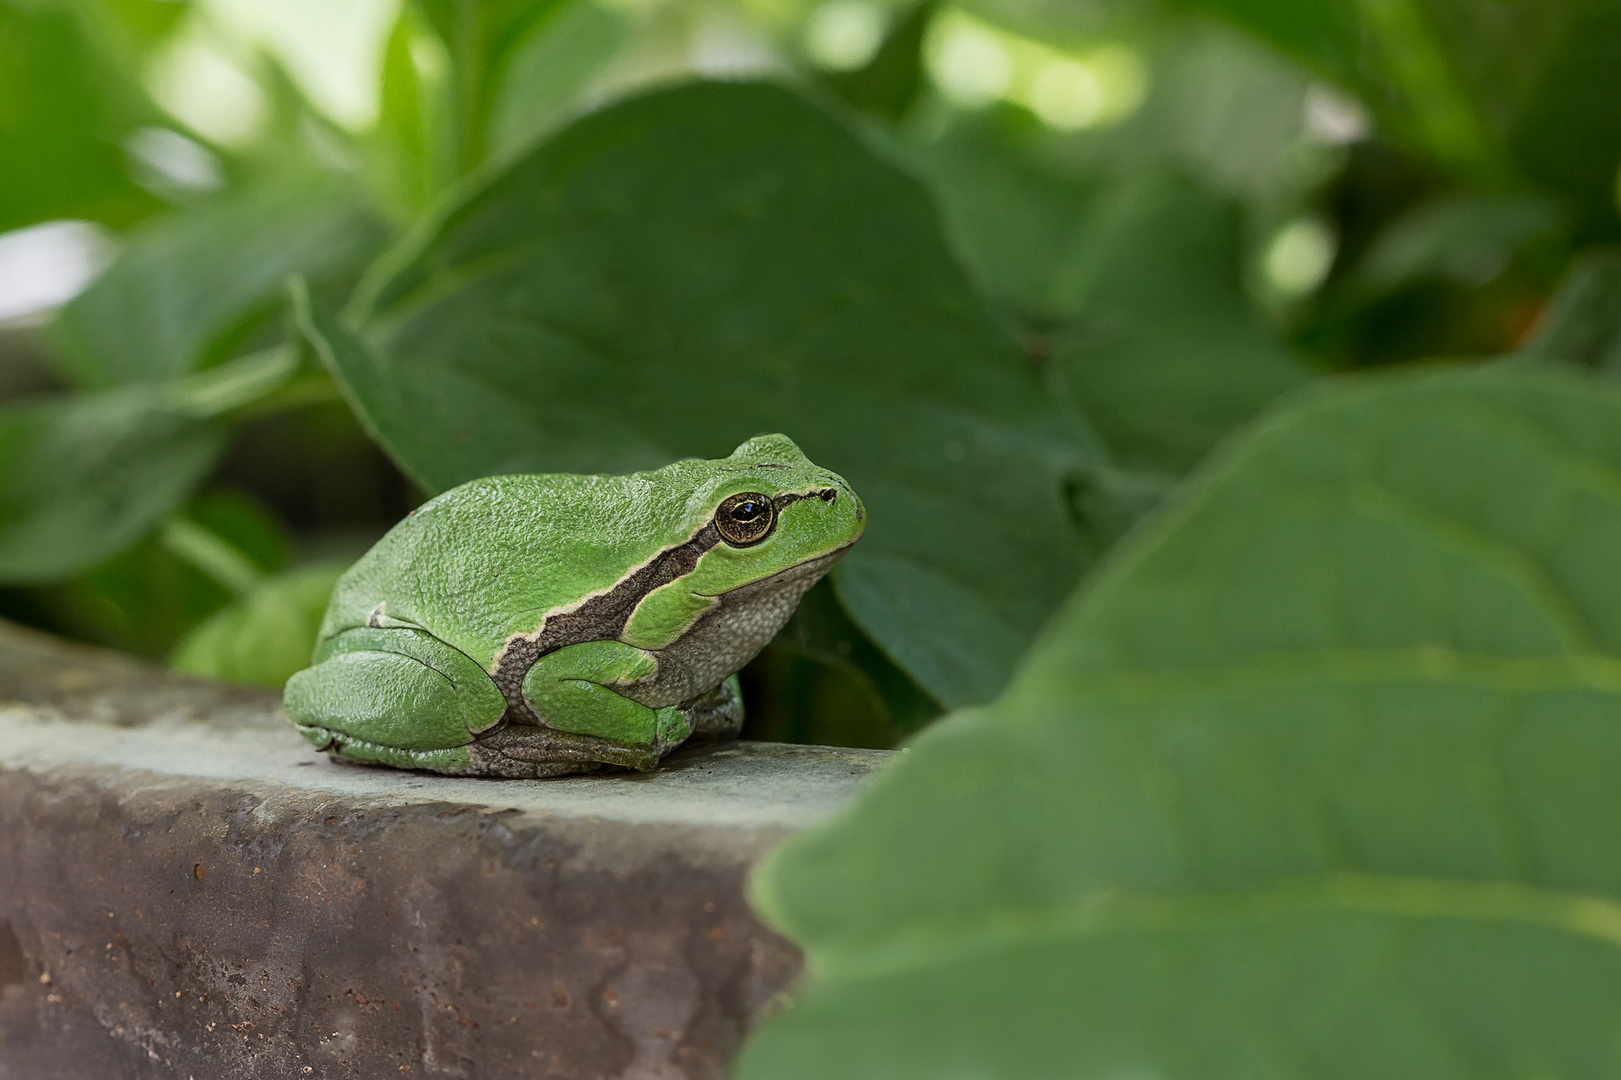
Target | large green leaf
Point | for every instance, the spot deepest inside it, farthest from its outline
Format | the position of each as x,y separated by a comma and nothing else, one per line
63,110
81,478
676,273
1015,219
1316,779
188,287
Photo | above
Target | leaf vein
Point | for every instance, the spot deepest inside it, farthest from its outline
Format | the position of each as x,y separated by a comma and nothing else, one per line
1434,664
944,940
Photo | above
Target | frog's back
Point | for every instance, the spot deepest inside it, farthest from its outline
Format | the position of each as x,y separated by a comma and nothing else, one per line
493,557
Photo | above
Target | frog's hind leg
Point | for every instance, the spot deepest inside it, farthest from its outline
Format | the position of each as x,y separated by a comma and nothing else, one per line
575,693
509,750
396,697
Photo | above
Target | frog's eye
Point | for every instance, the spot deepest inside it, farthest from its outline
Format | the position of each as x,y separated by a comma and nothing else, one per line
745,518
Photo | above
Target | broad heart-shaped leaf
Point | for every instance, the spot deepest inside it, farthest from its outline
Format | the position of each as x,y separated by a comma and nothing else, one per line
679,272
1317,778
81,478
188,285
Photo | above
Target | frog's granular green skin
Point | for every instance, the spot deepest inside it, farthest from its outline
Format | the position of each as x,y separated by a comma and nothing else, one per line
530,626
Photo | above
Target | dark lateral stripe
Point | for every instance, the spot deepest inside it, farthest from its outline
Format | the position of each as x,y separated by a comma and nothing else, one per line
600,618
788,498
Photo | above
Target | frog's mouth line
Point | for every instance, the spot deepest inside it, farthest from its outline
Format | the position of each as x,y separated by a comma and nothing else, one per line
817,564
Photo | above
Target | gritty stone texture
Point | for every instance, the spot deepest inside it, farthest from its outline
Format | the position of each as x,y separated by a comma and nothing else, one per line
187,890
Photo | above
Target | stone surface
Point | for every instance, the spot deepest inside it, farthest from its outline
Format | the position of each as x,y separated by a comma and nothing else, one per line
187,890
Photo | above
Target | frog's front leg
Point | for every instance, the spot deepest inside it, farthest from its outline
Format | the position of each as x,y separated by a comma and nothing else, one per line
396,697
573,690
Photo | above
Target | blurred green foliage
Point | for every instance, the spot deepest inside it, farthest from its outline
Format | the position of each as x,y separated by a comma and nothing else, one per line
1282,671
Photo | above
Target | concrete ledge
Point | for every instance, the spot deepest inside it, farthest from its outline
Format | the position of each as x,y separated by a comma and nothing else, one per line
188,891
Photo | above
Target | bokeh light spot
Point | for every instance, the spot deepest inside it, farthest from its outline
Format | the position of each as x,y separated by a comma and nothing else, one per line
1299,256
973,63
843,35
1333,117
46,265
207,91
1066,95
168,163
970,64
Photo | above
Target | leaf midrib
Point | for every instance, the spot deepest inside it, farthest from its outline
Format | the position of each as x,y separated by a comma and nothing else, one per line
1429,664
922,944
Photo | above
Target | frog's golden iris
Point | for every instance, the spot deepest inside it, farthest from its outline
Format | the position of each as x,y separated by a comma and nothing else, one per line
745,518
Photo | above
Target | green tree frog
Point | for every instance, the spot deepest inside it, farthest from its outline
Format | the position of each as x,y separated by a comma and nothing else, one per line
530,626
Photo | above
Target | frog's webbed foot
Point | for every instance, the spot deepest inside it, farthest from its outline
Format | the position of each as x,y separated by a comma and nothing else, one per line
718,714
525,752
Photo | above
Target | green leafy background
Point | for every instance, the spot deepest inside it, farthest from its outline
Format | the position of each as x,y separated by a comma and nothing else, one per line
648,286
1230,381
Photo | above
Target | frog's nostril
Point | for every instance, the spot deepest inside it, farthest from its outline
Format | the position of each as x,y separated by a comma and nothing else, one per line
827,495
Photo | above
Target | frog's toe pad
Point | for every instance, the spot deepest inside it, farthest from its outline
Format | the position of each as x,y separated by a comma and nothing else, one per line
718,714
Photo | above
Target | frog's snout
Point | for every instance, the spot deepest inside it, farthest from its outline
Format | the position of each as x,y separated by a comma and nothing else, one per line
838,488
